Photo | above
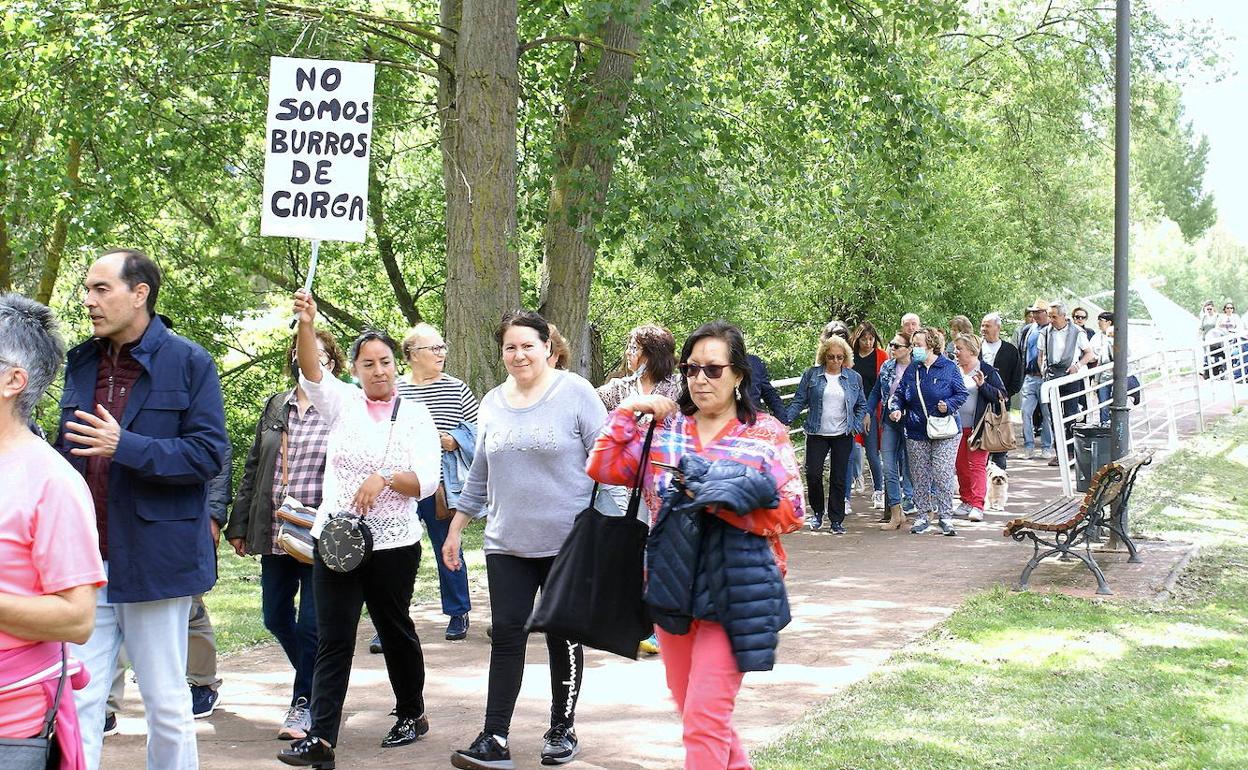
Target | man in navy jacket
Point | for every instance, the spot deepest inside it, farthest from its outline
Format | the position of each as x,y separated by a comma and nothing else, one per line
143,420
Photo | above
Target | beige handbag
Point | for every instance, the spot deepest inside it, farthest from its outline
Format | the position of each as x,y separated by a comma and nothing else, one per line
993,432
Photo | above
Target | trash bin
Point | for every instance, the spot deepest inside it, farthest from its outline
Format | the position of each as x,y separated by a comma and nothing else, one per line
1091,452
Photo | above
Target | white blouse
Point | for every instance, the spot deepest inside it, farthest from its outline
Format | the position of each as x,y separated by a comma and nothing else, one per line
358,448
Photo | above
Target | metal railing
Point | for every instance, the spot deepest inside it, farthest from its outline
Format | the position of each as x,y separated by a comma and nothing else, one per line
1174,386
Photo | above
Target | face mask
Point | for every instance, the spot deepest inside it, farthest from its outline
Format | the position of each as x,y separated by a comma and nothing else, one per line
919,354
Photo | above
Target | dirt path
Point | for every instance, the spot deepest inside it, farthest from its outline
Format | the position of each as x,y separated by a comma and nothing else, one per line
853,604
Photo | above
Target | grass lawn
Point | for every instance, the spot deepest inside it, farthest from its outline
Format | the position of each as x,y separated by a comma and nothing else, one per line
234,603
1049,681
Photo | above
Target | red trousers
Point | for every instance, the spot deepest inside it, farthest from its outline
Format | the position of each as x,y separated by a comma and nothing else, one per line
703,677
972,468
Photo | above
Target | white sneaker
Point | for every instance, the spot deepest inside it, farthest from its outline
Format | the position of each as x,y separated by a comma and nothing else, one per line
962,511
976,514
1029,453
877,501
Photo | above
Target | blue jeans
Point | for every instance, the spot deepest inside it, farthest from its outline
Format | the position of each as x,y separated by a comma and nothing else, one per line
1031,397
897,488
155,637
1105,395
280,577
871,441
453,585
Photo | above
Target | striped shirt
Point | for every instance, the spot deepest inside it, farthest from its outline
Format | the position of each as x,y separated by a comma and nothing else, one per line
449,400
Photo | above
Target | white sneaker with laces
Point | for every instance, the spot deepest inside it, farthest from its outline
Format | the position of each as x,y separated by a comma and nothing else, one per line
976,514
877,501
297,723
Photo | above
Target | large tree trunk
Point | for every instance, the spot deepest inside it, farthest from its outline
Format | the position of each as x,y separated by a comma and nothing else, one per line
586,148
477,103
60,231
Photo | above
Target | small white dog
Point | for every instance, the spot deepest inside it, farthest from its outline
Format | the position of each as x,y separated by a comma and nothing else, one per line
998,487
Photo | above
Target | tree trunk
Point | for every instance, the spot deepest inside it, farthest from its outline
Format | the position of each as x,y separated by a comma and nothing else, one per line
60,231
478,103
585,152
385,244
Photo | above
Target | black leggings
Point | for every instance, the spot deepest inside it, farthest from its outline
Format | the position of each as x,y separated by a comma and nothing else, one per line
514,582
818,449
385,584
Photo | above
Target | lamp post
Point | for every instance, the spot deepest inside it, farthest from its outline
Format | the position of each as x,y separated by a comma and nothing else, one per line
1120,412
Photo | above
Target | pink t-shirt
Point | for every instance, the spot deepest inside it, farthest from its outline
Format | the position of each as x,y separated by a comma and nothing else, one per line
48,543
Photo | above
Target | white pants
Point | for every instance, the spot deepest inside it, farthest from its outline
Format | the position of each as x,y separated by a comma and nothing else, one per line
155,637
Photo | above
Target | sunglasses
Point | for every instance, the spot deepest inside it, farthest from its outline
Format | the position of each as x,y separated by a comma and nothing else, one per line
712,371
837,357
896,346
1081,318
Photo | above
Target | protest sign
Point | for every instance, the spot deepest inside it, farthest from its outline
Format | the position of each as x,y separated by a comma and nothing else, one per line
318,133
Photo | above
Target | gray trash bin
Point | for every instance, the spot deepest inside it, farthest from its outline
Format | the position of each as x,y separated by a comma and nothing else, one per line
1091,452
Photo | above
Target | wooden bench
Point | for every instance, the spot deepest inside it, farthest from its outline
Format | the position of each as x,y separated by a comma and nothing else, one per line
1069,525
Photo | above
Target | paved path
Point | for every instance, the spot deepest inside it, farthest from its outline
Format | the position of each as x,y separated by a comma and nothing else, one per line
854,602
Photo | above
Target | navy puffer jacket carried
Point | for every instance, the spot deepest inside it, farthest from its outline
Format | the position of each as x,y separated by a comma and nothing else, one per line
700,567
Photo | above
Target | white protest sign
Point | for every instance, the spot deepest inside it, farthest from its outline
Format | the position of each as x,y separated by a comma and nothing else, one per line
318,133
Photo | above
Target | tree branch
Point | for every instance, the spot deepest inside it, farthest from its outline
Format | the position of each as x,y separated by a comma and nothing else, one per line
541,41
385,247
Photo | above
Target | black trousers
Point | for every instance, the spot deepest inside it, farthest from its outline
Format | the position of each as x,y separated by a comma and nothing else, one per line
514,583
819,449
385,585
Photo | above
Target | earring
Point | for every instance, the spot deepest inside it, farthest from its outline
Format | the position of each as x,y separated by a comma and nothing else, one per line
736,391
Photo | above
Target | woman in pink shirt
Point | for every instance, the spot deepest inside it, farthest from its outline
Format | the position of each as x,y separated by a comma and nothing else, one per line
50,562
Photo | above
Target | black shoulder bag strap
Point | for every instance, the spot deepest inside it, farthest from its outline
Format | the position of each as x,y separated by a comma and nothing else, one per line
634,495
49,720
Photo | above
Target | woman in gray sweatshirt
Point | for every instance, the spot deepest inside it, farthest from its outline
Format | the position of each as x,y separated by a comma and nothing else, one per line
528,482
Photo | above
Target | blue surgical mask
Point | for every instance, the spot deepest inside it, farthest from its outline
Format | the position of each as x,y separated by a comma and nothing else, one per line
919,355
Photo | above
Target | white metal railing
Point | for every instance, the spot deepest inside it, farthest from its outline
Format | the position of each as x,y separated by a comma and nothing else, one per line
1173,386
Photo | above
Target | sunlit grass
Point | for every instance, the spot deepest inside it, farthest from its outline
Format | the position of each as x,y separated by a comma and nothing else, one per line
1038,681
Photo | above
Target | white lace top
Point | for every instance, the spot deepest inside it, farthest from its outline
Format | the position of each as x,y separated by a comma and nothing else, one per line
357,449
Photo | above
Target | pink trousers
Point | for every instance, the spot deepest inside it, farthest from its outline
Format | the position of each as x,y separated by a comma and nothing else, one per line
703,677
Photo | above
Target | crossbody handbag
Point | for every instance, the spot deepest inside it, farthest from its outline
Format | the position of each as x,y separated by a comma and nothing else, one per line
32,753
938,426
346,542
295,520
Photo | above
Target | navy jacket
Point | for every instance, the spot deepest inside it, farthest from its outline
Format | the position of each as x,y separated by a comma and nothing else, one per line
942,381
699,566
173,442
810,394
761,389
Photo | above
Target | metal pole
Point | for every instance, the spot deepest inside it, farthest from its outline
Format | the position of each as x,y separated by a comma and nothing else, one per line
1120,438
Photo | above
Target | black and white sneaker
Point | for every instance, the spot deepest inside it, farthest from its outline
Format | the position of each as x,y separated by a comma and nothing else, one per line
560,745
946,528
485,753
308,752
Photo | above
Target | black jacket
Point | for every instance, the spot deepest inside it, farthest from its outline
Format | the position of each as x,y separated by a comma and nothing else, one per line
252,515
699,566
1009,364
761,389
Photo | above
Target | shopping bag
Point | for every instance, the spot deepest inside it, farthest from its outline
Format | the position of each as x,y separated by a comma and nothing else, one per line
593,594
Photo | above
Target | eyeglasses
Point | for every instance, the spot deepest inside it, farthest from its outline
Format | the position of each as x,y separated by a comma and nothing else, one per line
1229,307
437,349
1080,317
896,346
712,371
837,357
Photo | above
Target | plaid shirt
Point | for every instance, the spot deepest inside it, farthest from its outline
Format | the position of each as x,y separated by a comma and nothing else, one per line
307,442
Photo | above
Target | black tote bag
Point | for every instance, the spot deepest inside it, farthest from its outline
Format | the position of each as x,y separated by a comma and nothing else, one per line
593,594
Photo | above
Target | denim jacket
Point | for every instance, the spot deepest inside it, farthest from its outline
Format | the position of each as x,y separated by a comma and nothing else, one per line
883,386
466,436
810,394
